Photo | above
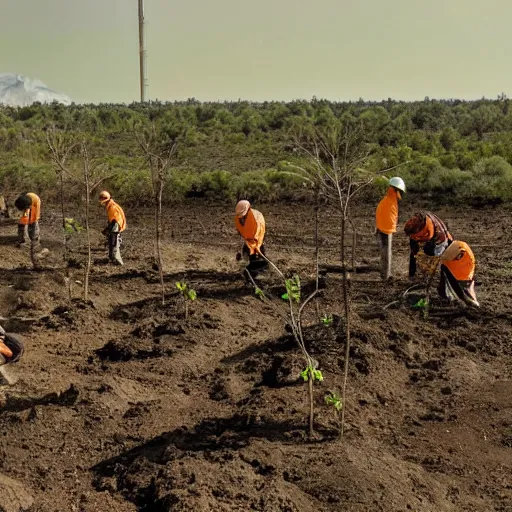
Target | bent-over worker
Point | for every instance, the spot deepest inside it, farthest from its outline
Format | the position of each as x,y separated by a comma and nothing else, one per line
386,219
427,232
457,273
250,224
28,226
116,225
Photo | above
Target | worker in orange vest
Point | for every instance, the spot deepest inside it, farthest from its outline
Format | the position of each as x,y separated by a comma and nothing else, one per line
116,225
30,204
457,273
427,232
250,224
11,350
386,219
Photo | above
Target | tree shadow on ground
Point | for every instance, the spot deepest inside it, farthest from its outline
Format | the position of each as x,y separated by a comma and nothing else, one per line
209,435
6,240
270,347
65,398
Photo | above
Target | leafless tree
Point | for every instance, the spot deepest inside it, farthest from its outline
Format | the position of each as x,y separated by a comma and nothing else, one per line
159,153
61,146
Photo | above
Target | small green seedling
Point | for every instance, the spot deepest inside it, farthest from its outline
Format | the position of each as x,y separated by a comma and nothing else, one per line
334,399
311,373
72,226
327,320
292,289
423,304
188,294
259,293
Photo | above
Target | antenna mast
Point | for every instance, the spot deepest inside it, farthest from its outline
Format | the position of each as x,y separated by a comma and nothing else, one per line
142,53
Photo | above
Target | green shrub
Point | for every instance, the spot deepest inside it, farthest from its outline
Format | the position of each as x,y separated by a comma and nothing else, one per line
217,185
491,181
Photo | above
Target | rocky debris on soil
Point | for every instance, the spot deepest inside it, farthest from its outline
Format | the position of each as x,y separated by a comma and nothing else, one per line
14,497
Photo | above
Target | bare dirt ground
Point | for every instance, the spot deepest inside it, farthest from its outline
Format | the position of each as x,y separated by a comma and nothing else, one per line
123,405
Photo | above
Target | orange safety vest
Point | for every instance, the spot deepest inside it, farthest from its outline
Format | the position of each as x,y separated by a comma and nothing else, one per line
253,230
115,212
386,216
463,266
32,214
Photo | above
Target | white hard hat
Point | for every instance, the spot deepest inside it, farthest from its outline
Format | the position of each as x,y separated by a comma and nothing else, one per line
397,183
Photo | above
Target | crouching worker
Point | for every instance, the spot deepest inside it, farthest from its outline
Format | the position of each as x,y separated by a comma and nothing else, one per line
427,232
251,226
116,225
28,226
11,350
457,274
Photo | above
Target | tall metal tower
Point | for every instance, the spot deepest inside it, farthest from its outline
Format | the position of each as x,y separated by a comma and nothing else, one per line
142,53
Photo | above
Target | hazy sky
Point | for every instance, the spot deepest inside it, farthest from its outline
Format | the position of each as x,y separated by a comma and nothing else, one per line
262,49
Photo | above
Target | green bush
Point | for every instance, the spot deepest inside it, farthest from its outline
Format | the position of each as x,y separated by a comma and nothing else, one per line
490,181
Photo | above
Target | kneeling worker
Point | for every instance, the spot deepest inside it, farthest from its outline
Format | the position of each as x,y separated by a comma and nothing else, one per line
251,226
116,225
30,204
11,350
457,273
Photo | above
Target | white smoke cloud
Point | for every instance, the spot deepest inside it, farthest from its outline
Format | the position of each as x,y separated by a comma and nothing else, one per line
20,91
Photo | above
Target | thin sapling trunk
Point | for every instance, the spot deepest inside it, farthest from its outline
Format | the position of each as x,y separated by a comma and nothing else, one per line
354,244
317,253
158,233
88,234
347,325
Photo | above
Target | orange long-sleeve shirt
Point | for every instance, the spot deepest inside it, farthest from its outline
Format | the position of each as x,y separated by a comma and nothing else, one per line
115,212
32,214
386,216
433,229
463,265
253,230
5,350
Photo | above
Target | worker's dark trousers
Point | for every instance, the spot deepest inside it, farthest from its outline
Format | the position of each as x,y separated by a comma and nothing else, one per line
451,289
385,243
30,231
114,248
256,264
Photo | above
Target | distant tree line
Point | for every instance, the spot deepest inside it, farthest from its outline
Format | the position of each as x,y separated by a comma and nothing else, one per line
449,148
